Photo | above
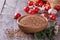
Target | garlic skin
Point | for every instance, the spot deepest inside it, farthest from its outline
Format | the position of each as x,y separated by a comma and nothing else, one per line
56,29
30,7
52,11
42,8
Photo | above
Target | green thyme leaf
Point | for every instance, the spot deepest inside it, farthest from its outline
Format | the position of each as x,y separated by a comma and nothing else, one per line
49,33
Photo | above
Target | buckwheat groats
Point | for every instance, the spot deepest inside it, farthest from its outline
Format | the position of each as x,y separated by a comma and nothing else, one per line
32,23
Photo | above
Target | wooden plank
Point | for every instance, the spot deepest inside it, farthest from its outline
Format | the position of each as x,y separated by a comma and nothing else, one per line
7,21
1,5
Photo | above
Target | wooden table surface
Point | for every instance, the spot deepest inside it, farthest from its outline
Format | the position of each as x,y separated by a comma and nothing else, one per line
7,21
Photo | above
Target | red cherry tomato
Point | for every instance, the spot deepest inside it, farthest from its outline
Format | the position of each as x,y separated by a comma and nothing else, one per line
26,9
47,3
47,7
46,15
17,15
32,11
53,17
39,3
36,9
57,7
30,3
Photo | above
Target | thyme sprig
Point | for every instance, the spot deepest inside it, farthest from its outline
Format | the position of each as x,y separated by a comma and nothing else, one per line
49,33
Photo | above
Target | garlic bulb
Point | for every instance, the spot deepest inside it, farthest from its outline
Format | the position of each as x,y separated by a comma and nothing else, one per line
52,11
56,29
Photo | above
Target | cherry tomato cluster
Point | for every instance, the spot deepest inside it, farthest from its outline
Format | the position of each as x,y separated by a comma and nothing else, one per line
51,17
35,6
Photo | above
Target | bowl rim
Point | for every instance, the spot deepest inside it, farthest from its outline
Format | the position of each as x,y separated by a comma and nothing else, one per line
28,15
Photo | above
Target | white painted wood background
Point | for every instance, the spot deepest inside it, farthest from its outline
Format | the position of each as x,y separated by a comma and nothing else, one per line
7,21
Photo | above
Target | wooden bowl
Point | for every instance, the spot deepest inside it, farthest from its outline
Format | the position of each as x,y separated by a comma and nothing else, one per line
32,23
